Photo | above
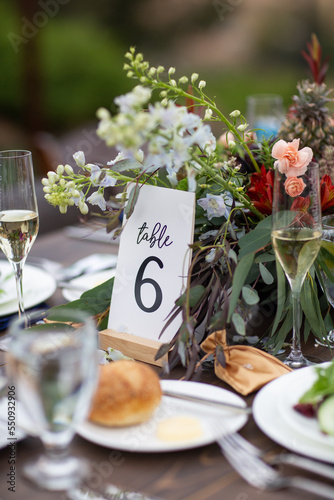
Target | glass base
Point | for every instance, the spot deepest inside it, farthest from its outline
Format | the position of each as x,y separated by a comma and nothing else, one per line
297,360
56,475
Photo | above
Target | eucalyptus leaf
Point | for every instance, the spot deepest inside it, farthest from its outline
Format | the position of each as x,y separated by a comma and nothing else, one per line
265,257
196,294
254,241
250,296
132,200
239,278
95,301
281,296
126,164
239,324
267,277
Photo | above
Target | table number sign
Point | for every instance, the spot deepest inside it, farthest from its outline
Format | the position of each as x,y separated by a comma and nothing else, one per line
153,262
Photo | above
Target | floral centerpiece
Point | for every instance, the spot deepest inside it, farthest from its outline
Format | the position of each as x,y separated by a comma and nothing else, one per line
163,137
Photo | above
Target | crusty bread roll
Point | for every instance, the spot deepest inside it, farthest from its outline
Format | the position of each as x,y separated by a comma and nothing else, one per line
127,393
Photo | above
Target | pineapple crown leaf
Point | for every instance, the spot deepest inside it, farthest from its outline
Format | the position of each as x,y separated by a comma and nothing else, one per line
313,59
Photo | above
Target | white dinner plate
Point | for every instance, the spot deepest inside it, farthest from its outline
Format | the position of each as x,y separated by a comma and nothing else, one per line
143,438
273,412
38,286
86,282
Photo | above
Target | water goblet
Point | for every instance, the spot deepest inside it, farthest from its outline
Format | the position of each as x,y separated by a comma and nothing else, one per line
19,220
296,238
53,366
326,284
265,113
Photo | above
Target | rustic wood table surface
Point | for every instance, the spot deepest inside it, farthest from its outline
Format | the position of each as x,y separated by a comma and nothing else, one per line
196,474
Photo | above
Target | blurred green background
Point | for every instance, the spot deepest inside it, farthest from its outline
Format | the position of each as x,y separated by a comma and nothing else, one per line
62,59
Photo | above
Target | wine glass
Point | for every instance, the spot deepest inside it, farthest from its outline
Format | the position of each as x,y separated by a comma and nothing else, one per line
19,220
326,284
53,366
296,238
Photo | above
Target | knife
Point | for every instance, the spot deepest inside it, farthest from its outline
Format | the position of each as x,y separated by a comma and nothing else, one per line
210,402
304,463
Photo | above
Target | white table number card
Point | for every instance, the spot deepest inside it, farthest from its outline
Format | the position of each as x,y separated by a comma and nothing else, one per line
153,262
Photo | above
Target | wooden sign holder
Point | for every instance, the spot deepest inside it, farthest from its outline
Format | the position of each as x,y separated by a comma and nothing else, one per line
132,346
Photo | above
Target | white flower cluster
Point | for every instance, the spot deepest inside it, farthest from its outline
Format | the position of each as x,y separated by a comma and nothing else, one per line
168,133
64,188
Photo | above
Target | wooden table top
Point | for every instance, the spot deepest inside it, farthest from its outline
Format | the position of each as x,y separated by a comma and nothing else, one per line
197,474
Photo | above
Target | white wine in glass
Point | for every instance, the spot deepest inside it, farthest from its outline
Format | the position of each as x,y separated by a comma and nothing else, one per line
296,238
19,220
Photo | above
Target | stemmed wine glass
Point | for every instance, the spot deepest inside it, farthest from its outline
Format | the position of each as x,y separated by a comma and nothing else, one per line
326,284
53,366
19,220
296,238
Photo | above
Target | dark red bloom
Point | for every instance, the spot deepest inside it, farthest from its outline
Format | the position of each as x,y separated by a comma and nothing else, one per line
261,190
327,193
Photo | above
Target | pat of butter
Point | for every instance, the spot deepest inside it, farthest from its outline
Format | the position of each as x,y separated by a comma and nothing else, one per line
179,428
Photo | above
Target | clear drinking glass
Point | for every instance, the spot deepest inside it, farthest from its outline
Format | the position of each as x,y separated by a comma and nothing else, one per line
326,284
53,366
19,220
265,112
296,238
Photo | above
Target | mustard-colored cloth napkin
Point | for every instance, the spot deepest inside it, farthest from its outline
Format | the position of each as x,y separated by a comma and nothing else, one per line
247,368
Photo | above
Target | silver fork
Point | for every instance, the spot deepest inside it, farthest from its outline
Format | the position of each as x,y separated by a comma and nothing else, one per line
261,475
293,459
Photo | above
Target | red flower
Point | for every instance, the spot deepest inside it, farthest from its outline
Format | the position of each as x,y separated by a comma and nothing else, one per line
261,190
327,193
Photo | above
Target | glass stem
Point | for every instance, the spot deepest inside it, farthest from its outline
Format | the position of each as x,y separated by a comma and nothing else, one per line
18,268
296,347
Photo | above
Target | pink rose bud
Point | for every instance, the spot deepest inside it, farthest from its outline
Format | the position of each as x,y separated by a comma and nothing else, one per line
294,186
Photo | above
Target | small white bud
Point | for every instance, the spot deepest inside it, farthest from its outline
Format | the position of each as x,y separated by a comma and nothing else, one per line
68,169
208,114
60,169
235,113
171,71
183,79
202,84
242,127
194,77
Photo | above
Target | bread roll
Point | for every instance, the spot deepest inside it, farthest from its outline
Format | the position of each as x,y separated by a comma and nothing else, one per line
128,392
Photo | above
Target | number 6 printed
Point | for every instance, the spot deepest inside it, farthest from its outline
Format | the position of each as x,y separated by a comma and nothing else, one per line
140,282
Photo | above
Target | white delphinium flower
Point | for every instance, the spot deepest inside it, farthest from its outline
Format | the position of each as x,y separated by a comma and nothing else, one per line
101,177
97,198
120,156
134,100
214,205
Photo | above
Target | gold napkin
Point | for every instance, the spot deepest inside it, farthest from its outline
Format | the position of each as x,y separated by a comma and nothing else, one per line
247,368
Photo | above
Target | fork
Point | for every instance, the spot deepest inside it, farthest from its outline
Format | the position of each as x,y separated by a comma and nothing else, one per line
259,474
293,459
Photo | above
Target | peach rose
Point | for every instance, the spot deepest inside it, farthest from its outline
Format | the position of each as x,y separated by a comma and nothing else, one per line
294,186
290,161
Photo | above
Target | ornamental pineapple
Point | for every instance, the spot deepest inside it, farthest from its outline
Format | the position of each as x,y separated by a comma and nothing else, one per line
309,119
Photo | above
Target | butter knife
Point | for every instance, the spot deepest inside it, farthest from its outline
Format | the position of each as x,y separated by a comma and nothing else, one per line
209,402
